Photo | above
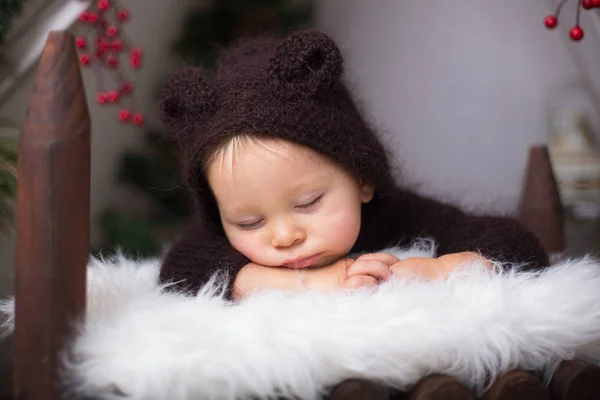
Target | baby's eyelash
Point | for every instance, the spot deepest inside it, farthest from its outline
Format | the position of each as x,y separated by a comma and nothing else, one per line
250,226
312,204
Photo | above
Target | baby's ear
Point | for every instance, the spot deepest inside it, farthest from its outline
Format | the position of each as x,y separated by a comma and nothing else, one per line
307,63
186,100
366,191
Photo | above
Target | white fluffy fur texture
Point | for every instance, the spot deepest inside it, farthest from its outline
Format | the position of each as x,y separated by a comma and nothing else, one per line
146,344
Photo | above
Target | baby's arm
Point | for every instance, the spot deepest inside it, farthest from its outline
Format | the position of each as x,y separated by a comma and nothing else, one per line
497,238
254,277
345,273
437,268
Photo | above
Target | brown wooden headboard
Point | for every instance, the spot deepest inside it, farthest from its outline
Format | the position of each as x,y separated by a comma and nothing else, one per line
53,213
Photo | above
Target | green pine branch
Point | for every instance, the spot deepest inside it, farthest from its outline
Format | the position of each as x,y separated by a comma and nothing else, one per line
209,28
9,9
132,235
157,175
8,179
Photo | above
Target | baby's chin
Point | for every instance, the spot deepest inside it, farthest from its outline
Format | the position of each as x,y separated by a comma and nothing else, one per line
325,261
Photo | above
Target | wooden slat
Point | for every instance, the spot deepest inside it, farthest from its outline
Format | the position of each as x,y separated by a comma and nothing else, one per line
440,387
53,200
576,380
516,385
358,389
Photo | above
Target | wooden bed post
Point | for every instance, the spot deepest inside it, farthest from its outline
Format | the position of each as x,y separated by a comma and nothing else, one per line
53,209
540,207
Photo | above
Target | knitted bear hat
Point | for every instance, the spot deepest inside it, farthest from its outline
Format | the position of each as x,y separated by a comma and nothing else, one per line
281,88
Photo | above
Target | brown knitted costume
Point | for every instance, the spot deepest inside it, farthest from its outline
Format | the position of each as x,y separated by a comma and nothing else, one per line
291,89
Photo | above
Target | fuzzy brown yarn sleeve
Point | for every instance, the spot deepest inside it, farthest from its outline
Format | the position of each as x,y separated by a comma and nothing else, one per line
412,216
498,238
198,256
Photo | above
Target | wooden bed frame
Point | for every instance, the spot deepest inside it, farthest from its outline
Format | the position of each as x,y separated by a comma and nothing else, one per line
53,208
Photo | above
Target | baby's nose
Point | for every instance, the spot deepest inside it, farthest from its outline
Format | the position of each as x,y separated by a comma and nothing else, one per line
286,235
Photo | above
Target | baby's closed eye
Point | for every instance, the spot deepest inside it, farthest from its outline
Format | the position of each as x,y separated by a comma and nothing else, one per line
311,205
247,226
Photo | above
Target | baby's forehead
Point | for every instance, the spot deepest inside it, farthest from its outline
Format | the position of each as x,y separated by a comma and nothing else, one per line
244,178
248,164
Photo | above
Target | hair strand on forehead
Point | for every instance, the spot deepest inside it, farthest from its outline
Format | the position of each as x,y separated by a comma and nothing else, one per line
227,151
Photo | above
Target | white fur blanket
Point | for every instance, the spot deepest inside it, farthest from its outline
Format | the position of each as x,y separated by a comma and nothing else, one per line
142,343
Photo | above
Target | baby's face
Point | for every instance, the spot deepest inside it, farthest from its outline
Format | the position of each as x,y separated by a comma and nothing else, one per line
285,205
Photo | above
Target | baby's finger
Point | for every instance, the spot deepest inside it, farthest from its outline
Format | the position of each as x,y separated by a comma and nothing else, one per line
376,269
381,257
358,281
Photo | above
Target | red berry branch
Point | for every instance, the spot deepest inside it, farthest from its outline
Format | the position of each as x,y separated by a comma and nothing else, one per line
576,33
104,49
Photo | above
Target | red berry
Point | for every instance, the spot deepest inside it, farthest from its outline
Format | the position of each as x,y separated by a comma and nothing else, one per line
127,87
101,98
135,63
103,5
136,53
587,4
84,16
92,17
596,3
124,114
113,96
137,119
117,45
112,30
576,33
80,43
85,59
550,21
123,15
101,47
112,61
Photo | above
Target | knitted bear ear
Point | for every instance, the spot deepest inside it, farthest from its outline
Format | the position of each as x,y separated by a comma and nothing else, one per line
186,99
307,63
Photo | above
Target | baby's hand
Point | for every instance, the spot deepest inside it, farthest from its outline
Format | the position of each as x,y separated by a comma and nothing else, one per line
435,268
346,273
369,270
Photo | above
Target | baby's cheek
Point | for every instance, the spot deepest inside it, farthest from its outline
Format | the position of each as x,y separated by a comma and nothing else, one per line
247,245
343,227
253,247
